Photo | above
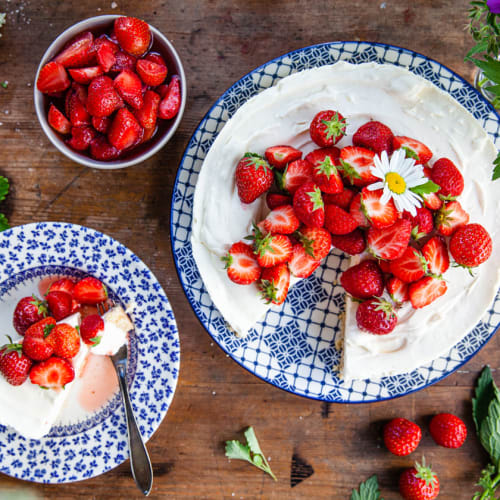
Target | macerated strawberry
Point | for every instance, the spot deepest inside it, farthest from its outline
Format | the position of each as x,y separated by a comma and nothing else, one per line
363,280
60,304
338,221
75,107
301,264
352,243
356,212
275,200
327,128
426,290
379,214
62,285
432,200
414,149
171,100
374,135
355,164
282,220
125,130
102,150
148,134
90,291
410,267
421,224
123,61
105,53
81,137
64,339
272,250
308,205
325,172
274,283
241,264
297,173
342,199
401,436
316,241
471,245
151,73
156,58
450,217
418,483
280,156
446,174
52,78
253,177
448,430
376,316
58,121
14,365
129,87
54,373
85,75
148,114
133,35
436,255
398,290
76,52
92,325
389,243
101,123
102,99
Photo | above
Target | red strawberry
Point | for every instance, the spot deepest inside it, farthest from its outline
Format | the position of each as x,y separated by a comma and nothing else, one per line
375,136
282,220
301,264
398,290
325,173
253,176
338,221
436,255
275,200
14,365
241,264
355,165
426,290
308,205
342,199
58,121
357,213
450,217
421,224
352,243
85,75
149,112
133,35
156,58
432,200
414,149
389,243
327,128
75,107
90,291
379,214
446,174
41,328
280,156
65,340
102,99
102,150
316,241
60,304
34,344
92,325
148,134
105,53
471,245
76,53
151,73
274,283
129,86
401,436
125,130
81,137
101,123
376,316
123,61
385,265
54,373
62,285
418,483
297,173
171,100
448,430
28,311
410,266
363,280
52,78
272,250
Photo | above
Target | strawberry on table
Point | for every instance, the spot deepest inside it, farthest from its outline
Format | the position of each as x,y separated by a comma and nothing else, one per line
411,266
65,341
308,205
275,200
76,52
14,365
60,304
52,78
327,128
253,176
445,173
450,217
129,87
151,73
401,436
316,241
436,255
389,243
85,75
103,100
418,483
92,325
125,130
379,214
241,264
426,290
338,221
352,243
376,316
133,35
342,199
325,172
297,173
414,149
448,430
363,280
28,311
54,373
301,264
171,99
471,245
374,135
355,163
90,291
398,290
148,114
356,211
281,220
280,156
58,121
421,224
274,283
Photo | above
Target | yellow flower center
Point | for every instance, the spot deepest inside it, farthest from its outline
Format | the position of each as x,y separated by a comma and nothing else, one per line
395,182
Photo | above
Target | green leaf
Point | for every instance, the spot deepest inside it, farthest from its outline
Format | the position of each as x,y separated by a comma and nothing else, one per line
489,432
496,169
4,188
410,153
368,490
490,67
252,441
428,187
237,451
485,391
480,47
4,224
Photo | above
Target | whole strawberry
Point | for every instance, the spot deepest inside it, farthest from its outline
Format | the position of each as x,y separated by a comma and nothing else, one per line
448,430
308,205
364,280
64,340
352,243
421,224
448,177
327,128
471,245
133,35
376,316
60,304
14,365
419,483
254,176
338,221
375,136
401,436
29,310
274,283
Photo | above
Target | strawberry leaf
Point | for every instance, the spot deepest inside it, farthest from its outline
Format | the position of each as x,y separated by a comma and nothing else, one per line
426,188
486,391
4,188
369,490
4,223
489,432
496,169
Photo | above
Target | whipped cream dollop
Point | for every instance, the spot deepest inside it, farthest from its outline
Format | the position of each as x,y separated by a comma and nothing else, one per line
116,326
410,106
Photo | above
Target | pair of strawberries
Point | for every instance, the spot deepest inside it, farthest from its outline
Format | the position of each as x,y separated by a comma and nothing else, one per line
113,88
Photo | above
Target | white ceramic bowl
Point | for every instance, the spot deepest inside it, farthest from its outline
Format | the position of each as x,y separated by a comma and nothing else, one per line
142,152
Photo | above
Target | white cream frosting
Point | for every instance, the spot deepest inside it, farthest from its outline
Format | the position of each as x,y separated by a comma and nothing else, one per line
116,326
409,105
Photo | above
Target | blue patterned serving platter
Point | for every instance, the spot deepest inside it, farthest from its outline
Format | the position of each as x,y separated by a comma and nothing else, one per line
294,348
87,446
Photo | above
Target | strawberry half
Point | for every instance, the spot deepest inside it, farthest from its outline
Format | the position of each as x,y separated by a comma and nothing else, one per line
253,177
436,255
426,290
274,283
338,221
272,250
76,99
414,149
60,304
316,241
241,264
76,53
148,114
297,173
450,217
357,213
389,243
398,290
62,285
171,99
105,53
81,137
52,78
325,173
281,220
54,373
355,163
90,291
151,73
92,325
379,214
410,267
101,149
101,123
374,135
129,87
133,35
58,121
327,128
301,264
280,156
102,98
352,243
421,224
125,130
308,205
85,75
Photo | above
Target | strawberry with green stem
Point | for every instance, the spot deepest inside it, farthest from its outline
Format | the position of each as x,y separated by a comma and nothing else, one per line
254,176
14,365
419,483
309,206
327,128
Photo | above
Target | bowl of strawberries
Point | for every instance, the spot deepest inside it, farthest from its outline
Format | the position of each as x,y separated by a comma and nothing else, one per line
110,91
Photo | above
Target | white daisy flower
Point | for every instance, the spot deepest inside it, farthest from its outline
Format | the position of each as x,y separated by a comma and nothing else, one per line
398,175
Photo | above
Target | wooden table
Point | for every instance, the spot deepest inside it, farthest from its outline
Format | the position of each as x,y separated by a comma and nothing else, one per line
219,41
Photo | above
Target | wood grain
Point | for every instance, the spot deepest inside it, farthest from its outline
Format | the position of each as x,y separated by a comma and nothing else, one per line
220,41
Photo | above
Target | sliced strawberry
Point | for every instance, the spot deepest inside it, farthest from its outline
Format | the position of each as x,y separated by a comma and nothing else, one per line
374,135
90,291
301,264
282,220
414,149
297,173
280,156
103,100
432,200
54,373
129,87
102,150
60,304
398,290
435,253
133,35
389,243
125,131
308,205
274,283
148,134
101,123
105,52
316,241
409,267
338,221
272,250
85,75
156,58
75,107
275,200
385,265
148,114
325,172
81,137
342,199
62,285
58,121
355,164
76,53
123,61
171,101
151,73
450,217
352,243
90,329
421,224
327,128
426,290
52,78
241,264
357,213
379,214
445,173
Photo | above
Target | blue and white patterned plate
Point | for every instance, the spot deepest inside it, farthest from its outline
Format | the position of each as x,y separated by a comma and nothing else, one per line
97,443
294,348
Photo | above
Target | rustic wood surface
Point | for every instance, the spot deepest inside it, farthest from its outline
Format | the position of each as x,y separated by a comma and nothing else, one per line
220,41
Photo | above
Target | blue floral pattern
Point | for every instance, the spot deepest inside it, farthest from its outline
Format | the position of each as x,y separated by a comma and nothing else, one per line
98,444
296,347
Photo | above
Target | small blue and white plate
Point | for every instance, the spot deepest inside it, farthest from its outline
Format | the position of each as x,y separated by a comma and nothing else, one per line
90,444
294,348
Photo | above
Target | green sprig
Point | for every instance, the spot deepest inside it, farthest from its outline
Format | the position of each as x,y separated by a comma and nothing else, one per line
369,490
